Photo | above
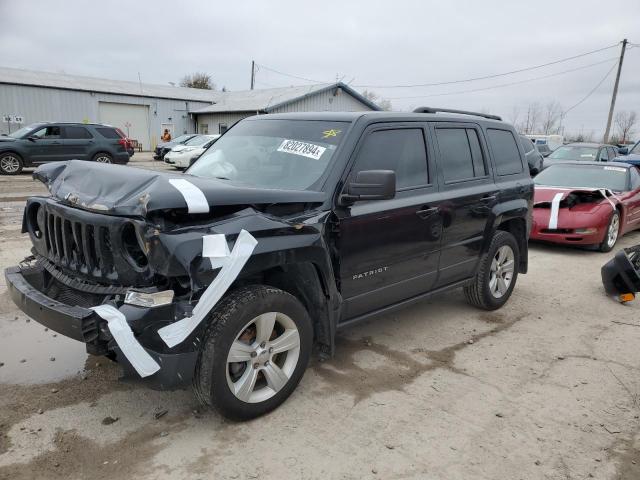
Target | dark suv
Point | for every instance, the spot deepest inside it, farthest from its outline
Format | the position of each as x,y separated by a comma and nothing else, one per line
288,228
48,142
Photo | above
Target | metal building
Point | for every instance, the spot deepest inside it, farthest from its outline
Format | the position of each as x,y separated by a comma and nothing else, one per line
230,107
140,110
144,110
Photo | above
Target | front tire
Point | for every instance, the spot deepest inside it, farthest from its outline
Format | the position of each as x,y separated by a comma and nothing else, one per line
612,234
255,351
10,163
497,274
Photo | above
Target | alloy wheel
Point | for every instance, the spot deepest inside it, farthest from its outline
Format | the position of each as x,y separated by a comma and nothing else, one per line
9,164
103,159
263,357
612,233
502,268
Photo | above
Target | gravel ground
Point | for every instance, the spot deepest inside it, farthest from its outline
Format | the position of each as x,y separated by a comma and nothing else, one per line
546,388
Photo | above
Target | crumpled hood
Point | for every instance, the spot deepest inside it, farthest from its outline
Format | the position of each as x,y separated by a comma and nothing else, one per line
584,198
128,191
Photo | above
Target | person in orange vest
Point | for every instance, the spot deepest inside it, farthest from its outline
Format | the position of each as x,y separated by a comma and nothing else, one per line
166,136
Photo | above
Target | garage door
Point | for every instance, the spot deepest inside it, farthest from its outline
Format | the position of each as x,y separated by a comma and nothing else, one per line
127,117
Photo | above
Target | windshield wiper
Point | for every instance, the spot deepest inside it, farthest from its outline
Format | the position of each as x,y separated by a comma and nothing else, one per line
222,178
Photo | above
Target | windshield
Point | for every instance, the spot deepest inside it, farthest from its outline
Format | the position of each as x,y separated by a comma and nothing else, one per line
283,154
574,152
636,149
182,138
23,131
584,176
197,141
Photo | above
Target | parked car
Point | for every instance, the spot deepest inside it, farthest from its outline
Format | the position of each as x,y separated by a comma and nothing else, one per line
632,155
182,156
583,152
164,147
49,142
586,203
289,227
534,158
544,149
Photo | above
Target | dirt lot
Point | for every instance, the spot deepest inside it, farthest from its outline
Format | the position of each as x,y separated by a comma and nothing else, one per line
546,388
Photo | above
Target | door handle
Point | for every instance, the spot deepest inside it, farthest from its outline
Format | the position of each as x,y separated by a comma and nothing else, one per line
426,212
489,198
55,143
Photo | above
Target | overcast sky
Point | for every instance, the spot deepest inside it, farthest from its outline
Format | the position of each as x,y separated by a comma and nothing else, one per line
364,43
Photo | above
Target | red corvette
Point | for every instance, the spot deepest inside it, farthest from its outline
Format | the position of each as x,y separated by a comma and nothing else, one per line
586,203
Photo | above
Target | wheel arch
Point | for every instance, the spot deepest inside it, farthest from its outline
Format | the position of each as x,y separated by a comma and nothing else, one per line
514,217
313,285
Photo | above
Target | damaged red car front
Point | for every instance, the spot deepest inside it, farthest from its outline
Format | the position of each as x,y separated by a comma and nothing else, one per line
586,204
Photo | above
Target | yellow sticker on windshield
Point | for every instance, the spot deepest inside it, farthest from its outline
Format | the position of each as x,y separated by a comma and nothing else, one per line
330,133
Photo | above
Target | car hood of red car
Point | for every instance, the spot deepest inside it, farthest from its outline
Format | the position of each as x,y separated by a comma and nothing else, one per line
547,194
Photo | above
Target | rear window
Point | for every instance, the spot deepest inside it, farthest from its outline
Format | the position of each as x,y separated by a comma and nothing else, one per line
108,132
77,133
505,151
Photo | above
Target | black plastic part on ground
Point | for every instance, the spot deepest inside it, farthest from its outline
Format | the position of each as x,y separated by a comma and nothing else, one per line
621,274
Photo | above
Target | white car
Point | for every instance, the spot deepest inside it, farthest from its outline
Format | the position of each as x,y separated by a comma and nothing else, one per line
180,156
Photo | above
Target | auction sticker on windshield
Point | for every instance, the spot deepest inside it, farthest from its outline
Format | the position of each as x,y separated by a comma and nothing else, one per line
304,149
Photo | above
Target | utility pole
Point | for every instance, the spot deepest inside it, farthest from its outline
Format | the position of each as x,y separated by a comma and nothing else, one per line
253,73
615,92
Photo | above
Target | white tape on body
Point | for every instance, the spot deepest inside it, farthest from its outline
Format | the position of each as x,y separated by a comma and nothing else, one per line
196,201
555,207
139,358
231,265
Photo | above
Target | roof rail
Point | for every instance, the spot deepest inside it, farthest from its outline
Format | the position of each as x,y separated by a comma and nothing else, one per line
463,112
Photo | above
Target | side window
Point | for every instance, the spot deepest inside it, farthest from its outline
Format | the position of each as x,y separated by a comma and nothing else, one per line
108,132
526,144
75,133
49,132
612,153
635,178
505,151
460,154
401,150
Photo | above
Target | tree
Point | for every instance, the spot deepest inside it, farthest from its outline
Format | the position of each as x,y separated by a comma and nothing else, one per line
383,103
625,122
198,80
551,118
531,121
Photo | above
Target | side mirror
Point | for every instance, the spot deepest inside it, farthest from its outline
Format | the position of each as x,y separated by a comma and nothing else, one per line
370,185
32,139
623,150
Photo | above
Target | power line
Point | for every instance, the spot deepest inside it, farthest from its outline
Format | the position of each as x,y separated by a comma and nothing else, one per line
492,87
592,91
451,82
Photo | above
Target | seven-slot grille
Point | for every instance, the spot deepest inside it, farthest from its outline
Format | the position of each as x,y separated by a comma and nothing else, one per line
96,247
78,246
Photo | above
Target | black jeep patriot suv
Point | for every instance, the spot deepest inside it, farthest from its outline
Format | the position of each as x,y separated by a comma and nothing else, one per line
288,228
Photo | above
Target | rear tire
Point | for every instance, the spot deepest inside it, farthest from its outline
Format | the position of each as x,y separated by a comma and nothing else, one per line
103,157
258,322
497,273
10,163
613,232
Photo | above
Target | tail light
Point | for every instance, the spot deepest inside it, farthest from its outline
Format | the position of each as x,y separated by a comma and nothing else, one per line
124,141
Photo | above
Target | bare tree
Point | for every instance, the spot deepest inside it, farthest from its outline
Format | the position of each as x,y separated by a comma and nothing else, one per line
551,118
625,122
531,121
198,80
383,103
581,136
514,116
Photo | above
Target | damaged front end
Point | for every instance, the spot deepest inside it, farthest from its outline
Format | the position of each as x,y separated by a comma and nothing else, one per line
139,251
577,216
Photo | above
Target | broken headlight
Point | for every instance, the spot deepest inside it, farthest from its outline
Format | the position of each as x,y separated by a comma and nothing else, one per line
149,300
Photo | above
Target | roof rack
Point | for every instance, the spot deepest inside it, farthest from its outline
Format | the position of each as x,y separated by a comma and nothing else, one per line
463,112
